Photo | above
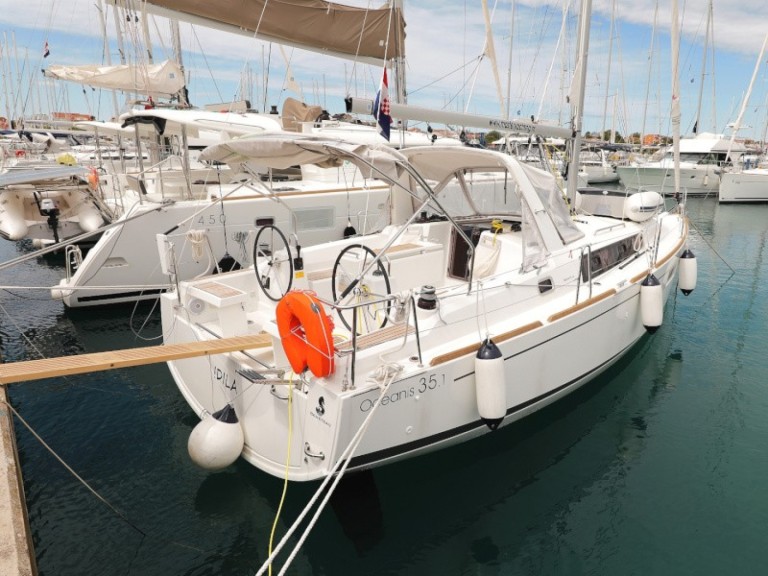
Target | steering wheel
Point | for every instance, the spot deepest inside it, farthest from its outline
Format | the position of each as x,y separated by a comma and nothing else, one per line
272,262
350,286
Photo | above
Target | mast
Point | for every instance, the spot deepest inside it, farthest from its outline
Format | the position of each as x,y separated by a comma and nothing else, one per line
509,70
676,95
147,39
118,32
560,43
608,73
107,56
577,98
398,65
6,63
650,69
176,37
19,71
714,72
737,124
703,67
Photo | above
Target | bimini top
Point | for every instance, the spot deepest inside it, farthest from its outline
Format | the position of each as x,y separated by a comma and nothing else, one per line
41,175
199,123
438,165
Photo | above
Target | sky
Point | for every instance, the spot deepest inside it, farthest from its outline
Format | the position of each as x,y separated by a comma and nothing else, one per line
629,91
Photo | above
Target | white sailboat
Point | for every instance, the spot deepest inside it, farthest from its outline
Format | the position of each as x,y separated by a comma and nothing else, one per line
469,311
472,261
210,212
703,159
746,184
206,211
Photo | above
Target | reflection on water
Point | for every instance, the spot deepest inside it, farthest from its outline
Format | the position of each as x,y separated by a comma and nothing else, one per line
654,468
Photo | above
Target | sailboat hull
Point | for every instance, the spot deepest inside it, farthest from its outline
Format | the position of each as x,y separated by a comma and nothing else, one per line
550,348
696,180
746,186
123,266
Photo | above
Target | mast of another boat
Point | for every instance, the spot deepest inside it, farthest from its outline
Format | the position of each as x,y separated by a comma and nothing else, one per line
675,36
508,107
107,56
707,34
398,72
577,99
650,69
745,102
608,75
403,112
183,102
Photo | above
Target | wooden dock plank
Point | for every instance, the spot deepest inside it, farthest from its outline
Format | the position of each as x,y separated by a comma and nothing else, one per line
23,371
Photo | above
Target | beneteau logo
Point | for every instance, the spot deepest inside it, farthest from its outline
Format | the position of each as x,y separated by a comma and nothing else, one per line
319,411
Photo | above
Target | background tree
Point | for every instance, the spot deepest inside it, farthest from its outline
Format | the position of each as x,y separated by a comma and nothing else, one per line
491,137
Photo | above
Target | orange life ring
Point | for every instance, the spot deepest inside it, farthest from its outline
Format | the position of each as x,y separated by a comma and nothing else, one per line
306,332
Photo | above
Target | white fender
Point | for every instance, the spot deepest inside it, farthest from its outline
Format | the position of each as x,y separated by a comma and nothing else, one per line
688,272
651,303
217,441
490,386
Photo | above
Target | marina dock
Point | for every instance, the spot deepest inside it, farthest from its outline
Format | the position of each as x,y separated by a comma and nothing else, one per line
16,555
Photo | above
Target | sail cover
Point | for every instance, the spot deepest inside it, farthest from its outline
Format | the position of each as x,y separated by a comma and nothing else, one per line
163,79
346,31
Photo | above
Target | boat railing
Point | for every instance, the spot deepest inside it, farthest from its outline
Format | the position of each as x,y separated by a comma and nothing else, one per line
357,339
610,227
167,163
73,257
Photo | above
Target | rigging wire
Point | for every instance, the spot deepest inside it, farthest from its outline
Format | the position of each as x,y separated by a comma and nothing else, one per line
207,64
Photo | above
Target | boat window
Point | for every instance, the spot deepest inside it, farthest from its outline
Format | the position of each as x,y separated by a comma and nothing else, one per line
476,193
694,157
605,258
314,218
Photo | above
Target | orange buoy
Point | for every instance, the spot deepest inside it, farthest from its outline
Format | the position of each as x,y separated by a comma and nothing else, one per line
93,179
306,333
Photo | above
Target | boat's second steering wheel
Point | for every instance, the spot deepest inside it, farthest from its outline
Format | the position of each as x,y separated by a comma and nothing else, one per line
350,286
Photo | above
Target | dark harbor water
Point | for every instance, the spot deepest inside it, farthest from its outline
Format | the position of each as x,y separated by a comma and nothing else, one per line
657,467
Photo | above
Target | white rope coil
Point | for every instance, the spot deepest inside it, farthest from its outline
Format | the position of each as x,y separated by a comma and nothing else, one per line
197,239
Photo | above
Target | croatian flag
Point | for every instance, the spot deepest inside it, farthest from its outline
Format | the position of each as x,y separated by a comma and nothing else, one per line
46,51
381,108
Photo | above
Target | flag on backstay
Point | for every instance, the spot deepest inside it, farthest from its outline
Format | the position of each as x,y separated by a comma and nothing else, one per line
46,51
381,108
